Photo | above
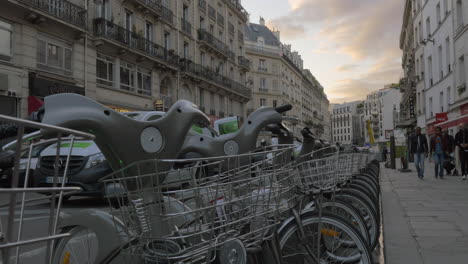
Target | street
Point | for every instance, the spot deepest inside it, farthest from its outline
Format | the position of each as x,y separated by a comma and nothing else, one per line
425,221
36,220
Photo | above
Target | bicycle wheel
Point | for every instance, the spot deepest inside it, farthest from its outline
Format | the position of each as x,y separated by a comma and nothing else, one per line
81,247
334,230
366,211
349,213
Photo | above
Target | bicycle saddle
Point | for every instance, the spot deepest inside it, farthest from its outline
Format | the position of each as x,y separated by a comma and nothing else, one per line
284,134
121,139
242,141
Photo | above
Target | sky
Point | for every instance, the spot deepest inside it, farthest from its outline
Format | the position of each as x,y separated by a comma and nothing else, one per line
350,46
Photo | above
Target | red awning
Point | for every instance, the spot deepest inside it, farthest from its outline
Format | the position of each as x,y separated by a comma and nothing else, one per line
34,103
447,124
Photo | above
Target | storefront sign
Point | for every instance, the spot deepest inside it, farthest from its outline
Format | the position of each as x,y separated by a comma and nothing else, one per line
441,117
411,107
45,87
464,109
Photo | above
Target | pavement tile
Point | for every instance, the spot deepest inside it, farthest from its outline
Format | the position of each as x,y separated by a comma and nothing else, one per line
429,217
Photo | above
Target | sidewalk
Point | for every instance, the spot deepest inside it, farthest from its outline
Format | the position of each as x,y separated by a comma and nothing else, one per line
424,221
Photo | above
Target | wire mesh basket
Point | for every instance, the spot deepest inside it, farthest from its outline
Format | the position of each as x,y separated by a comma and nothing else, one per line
200,205
17,165
344,167
319,173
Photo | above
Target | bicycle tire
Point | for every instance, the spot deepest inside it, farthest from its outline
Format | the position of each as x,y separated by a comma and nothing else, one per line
63,249
367,212
334,227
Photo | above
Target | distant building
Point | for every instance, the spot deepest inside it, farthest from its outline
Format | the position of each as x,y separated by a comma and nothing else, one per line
346,128
382,109
277,76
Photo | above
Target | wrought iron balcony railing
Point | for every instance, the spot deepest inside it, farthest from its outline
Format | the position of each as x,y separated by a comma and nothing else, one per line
237,6
186,26
244,62
203,72
215,43
167,15
60,9
108,30
154,6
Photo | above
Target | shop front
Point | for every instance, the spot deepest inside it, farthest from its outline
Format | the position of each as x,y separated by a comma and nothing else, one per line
446,123
40,87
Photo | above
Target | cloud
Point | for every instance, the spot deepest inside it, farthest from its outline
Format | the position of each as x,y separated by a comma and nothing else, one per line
347,67
366,31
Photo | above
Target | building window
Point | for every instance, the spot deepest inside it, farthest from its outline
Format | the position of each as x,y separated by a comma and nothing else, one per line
459,13
186,50
6,32
185,13
127,76
262,65
104,70
447,55
128,20
103,9
448,97
439,20
202,98
441,67
149,31
144,81
167,40
429,71
428,27
262,101
445,8
430,107
54,56
202,23
461,67
221,103
202,58
262,84
441,102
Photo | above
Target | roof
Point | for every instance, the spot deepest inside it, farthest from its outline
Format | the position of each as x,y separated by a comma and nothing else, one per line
253,31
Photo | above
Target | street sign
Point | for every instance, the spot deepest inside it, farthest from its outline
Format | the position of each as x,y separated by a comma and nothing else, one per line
441,117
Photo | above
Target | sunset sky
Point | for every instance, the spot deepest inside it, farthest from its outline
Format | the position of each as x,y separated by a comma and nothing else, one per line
351,46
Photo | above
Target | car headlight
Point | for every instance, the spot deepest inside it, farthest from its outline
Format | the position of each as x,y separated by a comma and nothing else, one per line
95,160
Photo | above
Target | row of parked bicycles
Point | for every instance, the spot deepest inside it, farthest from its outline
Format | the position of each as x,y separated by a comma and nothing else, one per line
177,196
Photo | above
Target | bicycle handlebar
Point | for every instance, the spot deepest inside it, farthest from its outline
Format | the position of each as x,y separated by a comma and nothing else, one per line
283,108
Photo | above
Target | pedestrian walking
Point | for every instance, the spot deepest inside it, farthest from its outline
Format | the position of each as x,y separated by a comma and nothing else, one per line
439,148
461,140
384,153
418,148
448,164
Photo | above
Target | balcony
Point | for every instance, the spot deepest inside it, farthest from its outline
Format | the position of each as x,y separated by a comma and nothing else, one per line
133,41
235,4
244,63
214,43
167,15
220,20
60,9
202,5
263,90
186,26
262,69
154,6
204,73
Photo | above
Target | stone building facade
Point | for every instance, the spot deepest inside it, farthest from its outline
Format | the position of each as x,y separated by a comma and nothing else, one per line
129,55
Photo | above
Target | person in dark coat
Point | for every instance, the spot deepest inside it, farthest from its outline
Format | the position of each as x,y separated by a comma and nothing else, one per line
439,148
384,153
419,148
450,149
461,140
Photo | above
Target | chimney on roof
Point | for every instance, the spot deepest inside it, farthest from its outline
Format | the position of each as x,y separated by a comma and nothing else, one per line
262,21
277,34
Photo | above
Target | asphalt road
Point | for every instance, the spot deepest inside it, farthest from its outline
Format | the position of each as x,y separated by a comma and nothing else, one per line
36,222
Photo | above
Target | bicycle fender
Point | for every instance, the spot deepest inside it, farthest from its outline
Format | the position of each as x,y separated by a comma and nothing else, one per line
105,226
